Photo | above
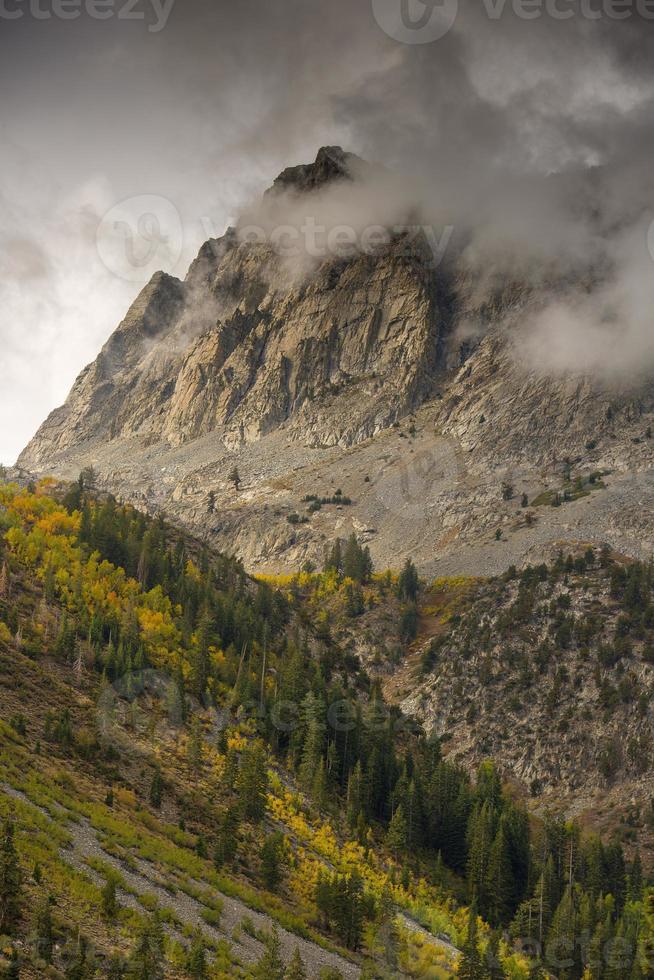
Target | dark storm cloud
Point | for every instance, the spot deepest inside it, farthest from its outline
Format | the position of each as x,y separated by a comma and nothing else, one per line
206,111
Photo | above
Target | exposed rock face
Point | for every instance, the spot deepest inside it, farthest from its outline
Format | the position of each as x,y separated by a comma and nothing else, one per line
98,395
533,671
535,674
303,380
331,164
241,347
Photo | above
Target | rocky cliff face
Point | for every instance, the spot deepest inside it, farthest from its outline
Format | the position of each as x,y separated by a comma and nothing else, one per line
356,373
241,346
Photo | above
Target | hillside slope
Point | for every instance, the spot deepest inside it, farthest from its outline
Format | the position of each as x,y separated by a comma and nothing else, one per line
548,671
198,774
551,672
118,766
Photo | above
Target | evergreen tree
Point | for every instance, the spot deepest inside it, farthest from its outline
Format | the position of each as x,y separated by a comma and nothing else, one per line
10,880
547,895
73,498
354,604
515,822
195,747
448,802
252,782
292,680
65,639
201,657
489,786
499,879
561,940
295,969
319,785
409,623
340,899
87,478
44,931
146,961
598,926
387,934
357,563
635,885
314,719
396,838
618,951
408,582
227,836
272,856
470,964
352,911
109,901
481,835
415,813
355,795
334,558
156,789
196,961
271,965
615,873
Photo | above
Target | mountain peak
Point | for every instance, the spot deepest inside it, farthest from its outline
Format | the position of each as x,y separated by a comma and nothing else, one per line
332,163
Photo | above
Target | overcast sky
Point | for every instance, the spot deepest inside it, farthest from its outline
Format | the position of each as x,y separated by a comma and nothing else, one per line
194,114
